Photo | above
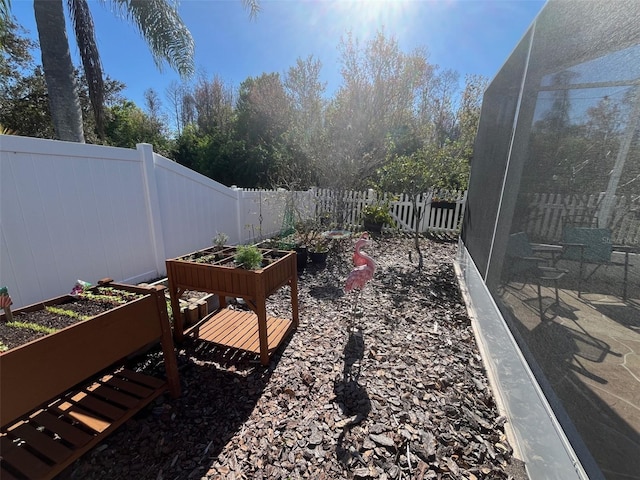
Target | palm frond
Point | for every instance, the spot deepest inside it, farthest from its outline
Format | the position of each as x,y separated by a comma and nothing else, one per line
5,9
86,40
5,19
253,6
164,31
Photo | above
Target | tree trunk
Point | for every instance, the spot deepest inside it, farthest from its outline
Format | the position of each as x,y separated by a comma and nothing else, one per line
58,70
416,237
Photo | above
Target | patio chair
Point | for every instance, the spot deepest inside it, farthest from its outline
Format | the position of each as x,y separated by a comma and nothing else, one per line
523,263
588,245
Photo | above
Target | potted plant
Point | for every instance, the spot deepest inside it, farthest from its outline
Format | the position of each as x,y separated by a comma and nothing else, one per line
444,203
374,217
319,250
304,235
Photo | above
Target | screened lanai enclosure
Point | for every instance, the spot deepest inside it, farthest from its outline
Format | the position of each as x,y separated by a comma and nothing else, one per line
550,246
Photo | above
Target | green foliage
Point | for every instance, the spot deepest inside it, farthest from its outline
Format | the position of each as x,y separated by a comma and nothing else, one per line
220,239
217,155
248,257
319,245
127,125
377,214
66,313
31,326
432,167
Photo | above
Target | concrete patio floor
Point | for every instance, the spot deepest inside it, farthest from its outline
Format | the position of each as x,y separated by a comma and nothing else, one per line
588,349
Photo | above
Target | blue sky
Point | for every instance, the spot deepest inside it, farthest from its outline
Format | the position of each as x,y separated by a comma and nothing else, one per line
469,36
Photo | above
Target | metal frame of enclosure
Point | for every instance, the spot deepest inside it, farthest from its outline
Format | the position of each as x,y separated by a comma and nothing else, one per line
560,125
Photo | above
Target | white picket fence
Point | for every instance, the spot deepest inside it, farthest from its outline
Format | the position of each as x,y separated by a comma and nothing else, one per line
429,216
547,214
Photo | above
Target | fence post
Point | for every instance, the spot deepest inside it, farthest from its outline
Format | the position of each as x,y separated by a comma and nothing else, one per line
239,211
145,151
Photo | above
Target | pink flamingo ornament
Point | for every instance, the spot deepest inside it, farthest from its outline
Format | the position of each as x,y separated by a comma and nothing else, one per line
364,269
358,258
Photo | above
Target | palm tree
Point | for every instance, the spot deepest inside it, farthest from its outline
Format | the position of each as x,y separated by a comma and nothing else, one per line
157,21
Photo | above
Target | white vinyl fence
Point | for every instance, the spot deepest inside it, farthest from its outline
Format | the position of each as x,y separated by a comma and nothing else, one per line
73,211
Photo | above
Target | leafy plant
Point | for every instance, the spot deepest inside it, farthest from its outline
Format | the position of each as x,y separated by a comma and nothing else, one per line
377,214
306,232
220,240
319,245
248,257
414,175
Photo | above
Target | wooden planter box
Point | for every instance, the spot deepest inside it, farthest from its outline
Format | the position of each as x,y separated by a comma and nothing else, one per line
250,331
62,393
374,227
443,205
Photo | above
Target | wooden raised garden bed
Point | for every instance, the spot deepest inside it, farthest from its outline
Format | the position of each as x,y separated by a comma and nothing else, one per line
64,392
213,270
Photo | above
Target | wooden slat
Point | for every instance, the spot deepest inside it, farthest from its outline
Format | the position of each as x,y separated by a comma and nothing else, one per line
83,416
113,396
239,330
227,328
22,460
130,387
277,329
5,474
52,449
144,380
94,404
66,431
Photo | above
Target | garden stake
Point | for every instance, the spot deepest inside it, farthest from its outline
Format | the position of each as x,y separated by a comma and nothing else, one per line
5,304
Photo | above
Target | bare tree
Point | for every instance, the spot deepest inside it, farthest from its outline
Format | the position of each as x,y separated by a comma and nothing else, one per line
374,110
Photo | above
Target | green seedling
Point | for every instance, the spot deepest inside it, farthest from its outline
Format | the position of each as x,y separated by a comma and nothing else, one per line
66,313
32,326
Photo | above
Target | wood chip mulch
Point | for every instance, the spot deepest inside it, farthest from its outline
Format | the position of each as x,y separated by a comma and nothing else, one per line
403,395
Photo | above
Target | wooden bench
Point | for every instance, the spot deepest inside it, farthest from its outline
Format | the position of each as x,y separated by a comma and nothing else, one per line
62,394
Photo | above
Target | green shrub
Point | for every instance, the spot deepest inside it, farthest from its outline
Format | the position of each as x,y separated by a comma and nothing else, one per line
248,257
377,214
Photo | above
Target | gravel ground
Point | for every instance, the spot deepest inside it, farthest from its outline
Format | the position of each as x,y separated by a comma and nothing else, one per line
401,395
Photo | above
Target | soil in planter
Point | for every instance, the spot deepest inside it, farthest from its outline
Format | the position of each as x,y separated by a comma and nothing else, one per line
226,256
13,336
